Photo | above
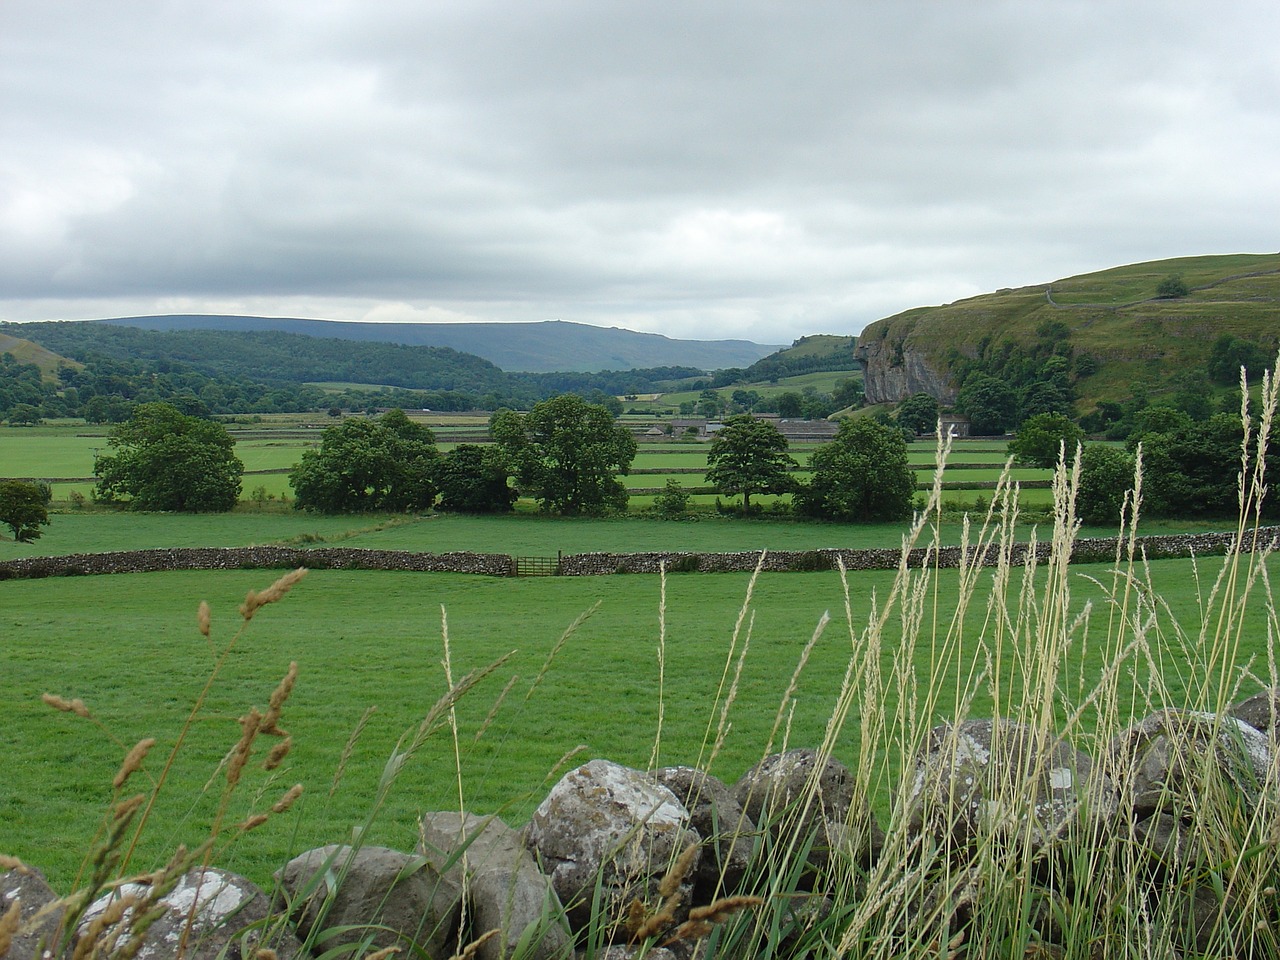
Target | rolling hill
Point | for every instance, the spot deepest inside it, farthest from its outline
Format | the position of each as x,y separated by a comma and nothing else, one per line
540,347
1113,324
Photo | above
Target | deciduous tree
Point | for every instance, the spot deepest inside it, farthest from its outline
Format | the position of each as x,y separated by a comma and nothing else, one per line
861,475
387,464
749,456
24,508
473,479
166,460
1039,440
567,453
919,413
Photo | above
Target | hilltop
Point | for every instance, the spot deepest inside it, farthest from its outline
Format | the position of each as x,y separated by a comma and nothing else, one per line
25,351
538,347
1113,325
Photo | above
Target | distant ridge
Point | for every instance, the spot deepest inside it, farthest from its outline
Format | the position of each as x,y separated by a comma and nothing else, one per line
537,347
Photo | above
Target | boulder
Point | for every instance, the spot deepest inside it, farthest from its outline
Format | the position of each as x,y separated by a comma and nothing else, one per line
1261,711
799,799
28,887
340,896
502,885
715,813
987,779
1160,766
209,914
607,825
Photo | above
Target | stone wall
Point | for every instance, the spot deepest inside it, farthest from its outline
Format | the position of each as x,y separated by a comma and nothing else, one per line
1086,550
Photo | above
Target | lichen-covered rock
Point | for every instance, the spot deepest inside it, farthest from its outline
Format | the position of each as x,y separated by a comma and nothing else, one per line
28,887
986,779
503,886
799,797
209,914
720,820
1165,763
383,898
607,824
1261,711
1160,762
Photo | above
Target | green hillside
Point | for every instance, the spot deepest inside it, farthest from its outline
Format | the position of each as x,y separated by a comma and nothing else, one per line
24,351
1113,324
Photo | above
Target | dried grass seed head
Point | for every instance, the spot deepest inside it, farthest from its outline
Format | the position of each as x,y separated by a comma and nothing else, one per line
203,618
133,761
66,706
255,599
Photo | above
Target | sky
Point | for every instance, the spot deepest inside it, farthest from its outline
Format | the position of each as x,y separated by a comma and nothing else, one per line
745,169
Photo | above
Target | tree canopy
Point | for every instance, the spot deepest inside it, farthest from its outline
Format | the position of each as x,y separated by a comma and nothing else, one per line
862,475
24,508
748,456
166,460
473,479
567,453
1040,439
919,413
1106,475
387,464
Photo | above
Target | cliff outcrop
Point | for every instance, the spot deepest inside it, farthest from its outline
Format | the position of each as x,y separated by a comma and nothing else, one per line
894,368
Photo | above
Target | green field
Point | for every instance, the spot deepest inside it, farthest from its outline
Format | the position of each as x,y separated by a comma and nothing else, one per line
128,646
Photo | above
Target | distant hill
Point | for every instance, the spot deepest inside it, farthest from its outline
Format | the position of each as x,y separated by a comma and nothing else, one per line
25,351
1113,325
539,347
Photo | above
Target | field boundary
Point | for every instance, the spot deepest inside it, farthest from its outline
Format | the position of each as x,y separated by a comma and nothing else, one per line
1085,550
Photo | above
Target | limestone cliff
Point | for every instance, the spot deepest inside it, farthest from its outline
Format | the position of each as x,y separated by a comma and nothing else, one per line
895,368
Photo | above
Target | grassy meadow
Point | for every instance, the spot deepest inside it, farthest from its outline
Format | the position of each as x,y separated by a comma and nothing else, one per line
128,645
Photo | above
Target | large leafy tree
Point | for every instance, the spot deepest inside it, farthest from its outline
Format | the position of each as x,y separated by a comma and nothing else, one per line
989,403
166,460
861,475
919,413
24,508
388,464
473,479
1040,438
749,456
567,453
1106,475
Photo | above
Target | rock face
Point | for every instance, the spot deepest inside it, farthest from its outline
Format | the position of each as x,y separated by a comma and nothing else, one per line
209,915
386,898
606,824
27,887
503,888
894,369
970,783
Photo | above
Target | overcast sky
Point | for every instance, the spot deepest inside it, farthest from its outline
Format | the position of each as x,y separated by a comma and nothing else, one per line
700,169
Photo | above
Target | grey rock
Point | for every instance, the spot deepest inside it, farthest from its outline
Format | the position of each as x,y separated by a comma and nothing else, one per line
386,897
895,368
715,813
1159,763
986,779
607,824
1261,711
28,887
795,798
209,914
503,886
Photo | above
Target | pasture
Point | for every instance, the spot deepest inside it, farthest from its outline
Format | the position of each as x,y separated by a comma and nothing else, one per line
128,645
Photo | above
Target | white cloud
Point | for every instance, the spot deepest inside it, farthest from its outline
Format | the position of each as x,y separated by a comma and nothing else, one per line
745,169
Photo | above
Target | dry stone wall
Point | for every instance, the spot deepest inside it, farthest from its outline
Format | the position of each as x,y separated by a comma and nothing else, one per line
1085,550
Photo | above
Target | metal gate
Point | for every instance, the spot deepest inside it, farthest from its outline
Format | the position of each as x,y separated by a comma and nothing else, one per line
536,566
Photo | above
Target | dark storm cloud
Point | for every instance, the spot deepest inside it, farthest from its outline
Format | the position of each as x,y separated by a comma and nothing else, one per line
713,169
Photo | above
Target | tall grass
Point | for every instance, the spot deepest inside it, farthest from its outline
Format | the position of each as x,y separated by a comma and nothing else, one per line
1030,833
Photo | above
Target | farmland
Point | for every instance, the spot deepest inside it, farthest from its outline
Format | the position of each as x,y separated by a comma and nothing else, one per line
128,646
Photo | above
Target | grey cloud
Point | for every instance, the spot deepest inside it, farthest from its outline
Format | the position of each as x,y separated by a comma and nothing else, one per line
718,168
